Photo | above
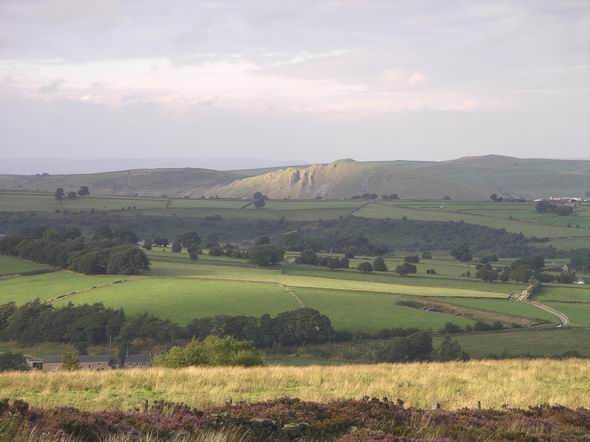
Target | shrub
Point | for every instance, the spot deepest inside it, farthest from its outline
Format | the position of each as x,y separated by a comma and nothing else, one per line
211,351
365,267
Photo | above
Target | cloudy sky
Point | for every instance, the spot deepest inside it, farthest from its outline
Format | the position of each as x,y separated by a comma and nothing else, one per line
294,80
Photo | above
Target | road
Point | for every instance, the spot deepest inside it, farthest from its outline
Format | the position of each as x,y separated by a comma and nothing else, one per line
524,297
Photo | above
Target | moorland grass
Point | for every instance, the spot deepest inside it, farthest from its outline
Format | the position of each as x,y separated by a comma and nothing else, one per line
514,383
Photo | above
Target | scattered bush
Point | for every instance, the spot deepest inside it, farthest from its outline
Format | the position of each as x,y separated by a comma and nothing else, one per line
211,351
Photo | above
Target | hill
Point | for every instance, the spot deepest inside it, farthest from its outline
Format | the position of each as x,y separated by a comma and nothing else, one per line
469,178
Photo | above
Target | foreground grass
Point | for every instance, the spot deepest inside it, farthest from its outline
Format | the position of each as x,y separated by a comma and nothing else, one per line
517,383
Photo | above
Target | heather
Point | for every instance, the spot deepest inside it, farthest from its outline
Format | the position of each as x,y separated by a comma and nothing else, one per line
284,419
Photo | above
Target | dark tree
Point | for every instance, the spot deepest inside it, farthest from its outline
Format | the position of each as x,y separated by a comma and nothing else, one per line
72,195
494,197
13,362
405,269
259,203
59,194
147,244
258,196
127,260
365,267
190,238
450,350
379,264
265,255
447,198
176,246
84,191
261,240
302,326
413,259
462,253
193,252
307,257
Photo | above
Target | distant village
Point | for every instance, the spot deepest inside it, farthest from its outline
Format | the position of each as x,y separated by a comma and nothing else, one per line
89,362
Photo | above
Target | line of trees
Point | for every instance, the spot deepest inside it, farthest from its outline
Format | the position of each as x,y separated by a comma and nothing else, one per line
61,194
99,256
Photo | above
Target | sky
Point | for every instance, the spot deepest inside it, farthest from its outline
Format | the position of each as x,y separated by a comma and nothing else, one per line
293,81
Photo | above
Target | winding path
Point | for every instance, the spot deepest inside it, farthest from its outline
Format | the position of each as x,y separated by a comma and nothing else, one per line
561,316
524,297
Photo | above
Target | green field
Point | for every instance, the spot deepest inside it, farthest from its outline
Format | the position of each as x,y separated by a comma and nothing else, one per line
49,286
505,307
179,289
182,300
10,265
564,292
357,311
514,217
578,313
538,342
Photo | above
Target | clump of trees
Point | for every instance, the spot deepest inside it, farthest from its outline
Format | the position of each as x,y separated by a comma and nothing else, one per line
266,255
80,325
211,351
406,269
310,257
295,327
365,196
462,253
60,194
105,255
546,206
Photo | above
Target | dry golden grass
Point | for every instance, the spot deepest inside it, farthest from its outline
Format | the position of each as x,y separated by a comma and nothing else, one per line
517,383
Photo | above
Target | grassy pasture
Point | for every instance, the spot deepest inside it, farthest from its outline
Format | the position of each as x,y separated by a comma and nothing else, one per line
505,307
103,202
516,383
473,285
564,292
182,300
578,313
46,202
49,286
546,342
531,223
370,312
27,202
10,265
181,290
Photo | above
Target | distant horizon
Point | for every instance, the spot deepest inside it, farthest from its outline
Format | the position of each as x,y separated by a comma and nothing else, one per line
74,166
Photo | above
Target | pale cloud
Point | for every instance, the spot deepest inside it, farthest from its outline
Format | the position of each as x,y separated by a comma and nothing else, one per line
322,63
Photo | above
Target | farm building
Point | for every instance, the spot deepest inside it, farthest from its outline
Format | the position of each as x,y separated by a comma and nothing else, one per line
86,362
137,361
